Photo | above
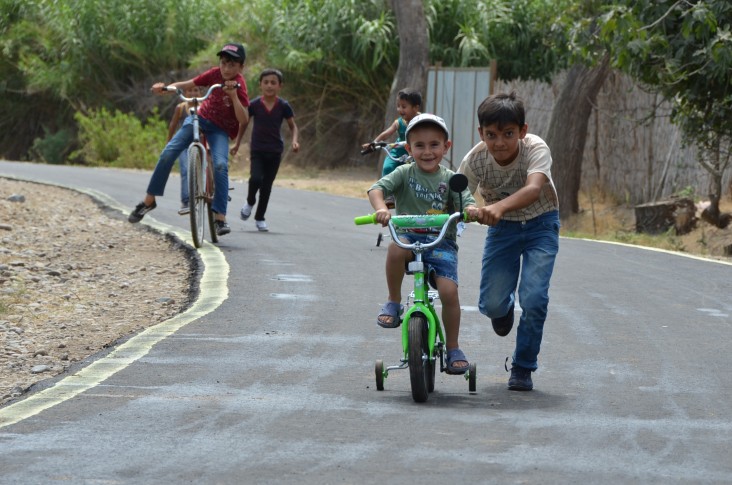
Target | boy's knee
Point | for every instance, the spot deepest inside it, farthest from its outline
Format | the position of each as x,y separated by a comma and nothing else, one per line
491,308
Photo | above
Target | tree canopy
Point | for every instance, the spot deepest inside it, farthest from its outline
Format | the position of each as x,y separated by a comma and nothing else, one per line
683,50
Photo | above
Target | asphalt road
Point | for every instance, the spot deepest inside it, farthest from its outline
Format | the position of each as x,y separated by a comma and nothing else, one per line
273,380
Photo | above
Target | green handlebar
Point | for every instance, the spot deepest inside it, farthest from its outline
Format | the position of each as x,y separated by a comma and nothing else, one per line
410,221
369,219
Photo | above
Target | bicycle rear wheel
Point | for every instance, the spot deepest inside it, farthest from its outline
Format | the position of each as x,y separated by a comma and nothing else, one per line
196,194
210,190
418,356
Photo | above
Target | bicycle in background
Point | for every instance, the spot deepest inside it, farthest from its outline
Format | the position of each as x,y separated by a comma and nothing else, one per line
200,173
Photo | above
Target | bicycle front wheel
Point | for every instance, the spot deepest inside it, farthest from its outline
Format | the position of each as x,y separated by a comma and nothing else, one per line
196,194
418,356
211,223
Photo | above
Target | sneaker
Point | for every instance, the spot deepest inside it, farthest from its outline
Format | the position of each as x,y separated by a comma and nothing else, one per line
262,226
140,210
390,202
222,228
520,379
503,325
184,209
246,211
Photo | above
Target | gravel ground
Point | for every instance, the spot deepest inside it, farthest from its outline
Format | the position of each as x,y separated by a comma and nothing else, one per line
76,278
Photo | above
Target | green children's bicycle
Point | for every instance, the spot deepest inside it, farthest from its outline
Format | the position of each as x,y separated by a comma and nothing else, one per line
422,337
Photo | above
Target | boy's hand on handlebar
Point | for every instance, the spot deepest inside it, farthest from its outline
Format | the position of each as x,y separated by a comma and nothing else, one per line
489,214
230,87
473,213
157,88
382,216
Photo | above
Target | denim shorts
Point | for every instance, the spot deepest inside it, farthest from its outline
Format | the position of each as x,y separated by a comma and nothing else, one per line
441,259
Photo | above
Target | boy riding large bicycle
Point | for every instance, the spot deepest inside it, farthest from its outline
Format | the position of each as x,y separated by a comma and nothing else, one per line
219,118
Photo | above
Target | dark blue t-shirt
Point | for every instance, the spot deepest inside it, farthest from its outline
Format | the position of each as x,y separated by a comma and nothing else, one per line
267,133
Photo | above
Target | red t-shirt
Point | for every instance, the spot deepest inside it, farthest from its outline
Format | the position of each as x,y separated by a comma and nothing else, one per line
218,108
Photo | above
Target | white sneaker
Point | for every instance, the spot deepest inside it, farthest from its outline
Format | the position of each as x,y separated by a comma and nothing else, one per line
262,226
246,211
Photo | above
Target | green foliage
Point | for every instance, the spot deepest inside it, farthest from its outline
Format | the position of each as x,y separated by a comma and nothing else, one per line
118,139
338,56
58,57
53,147
91,50
687,192
521,35
684,51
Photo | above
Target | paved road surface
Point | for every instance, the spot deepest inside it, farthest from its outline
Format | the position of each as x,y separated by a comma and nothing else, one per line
275,385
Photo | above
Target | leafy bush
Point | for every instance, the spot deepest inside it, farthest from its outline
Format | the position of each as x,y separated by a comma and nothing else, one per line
53,147
119,140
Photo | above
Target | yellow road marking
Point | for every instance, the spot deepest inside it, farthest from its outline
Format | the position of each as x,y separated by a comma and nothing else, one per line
213,292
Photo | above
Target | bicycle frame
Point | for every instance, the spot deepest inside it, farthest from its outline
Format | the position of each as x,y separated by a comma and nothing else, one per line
386,147
422,301
201,182
422,298
422,334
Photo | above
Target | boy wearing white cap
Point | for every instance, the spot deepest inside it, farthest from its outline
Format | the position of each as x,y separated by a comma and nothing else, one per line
422,187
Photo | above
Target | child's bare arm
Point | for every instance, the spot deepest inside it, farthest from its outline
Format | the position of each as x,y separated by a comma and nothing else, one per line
242,114
295,132
388,133
242,129
157,88
526,195
383,214
173,126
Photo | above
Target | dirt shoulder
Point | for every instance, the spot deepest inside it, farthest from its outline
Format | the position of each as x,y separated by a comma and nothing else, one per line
75,278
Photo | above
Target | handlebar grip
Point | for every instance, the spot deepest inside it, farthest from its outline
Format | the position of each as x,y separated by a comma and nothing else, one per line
362,220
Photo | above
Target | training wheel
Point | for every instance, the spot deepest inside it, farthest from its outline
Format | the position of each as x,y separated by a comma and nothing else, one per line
472,377
379,370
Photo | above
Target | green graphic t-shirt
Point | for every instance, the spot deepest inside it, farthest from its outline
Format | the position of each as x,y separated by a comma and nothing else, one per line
418,192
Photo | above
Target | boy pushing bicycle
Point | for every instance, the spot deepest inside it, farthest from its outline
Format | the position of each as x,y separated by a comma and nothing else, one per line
422,188
219,118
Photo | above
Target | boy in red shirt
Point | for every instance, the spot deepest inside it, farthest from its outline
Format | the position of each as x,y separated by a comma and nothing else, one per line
219,118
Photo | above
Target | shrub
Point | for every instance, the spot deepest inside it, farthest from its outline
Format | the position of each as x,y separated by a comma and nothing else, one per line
53,147
119,140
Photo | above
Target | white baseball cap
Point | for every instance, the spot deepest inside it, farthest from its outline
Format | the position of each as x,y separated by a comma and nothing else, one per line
427,118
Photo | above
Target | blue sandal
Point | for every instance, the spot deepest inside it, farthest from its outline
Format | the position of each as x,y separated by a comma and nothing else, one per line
453,356
393,310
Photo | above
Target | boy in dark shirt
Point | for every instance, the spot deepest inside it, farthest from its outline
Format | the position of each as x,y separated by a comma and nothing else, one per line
266,145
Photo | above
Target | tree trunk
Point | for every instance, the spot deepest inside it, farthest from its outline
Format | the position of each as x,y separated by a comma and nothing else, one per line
414,47
567,133
715,166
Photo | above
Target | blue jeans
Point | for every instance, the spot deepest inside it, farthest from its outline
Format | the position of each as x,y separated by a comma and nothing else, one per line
183,159
442,259
218,144
527,251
